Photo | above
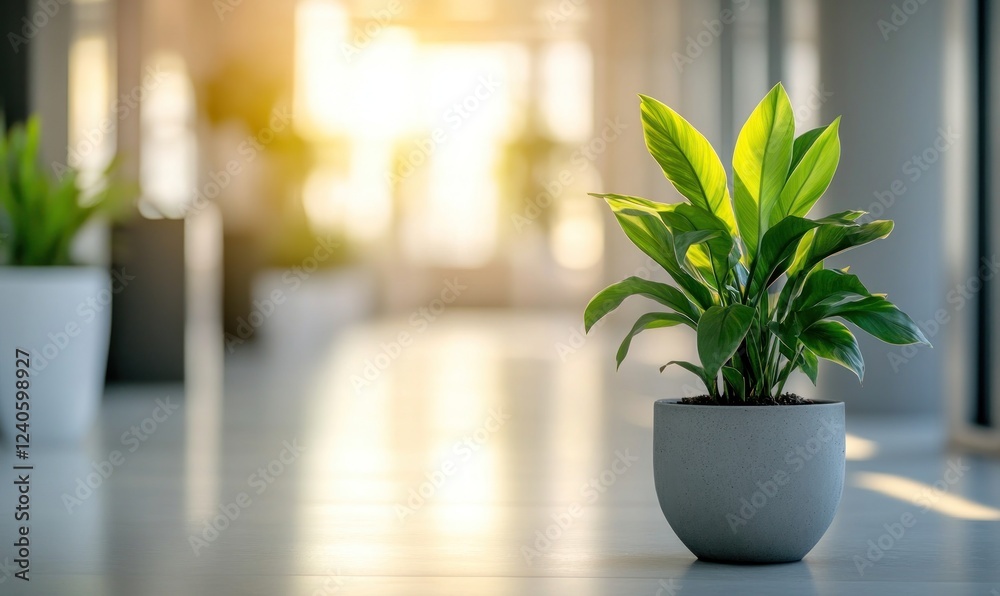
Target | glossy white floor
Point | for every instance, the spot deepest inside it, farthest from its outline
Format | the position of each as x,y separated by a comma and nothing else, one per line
435,472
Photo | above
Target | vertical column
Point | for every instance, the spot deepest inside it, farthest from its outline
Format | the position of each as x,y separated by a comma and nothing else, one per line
969,88
14,62
48,76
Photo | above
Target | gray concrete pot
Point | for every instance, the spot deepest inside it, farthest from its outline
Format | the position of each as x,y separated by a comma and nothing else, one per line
749,484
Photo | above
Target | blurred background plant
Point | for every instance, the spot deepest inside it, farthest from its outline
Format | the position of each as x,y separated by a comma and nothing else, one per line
42,214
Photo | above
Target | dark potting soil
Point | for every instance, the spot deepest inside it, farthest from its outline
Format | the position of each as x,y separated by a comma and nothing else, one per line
785,399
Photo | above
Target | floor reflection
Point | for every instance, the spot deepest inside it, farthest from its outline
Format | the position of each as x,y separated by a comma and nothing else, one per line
474,460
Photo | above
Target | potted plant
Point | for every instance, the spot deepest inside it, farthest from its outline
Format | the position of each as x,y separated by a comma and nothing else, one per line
748,473
54,316
303,269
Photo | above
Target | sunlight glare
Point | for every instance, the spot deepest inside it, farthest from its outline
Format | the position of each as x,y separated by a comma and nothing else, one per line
88,108
577,240
860,449
168,156
321,106
566,90
922,494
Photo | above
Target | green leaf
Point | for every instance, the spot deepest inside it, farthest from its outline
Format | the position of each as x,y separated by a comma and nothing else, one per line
687,158
796,279
811,176
776,251
829,286
882,319
689,366
650,320
720,332
694,368
802,144
621,202
651,236
684,241
830,239
787,342
809,364
742,274
734,379
834,341
760,164
612,296
42,214
712,257
843,217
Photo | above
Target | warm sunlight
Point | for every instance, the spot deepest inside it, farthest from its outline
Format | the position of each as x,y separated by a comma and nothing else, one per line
168,166
410,136
320,71
578,235
859,448
93,143
927,496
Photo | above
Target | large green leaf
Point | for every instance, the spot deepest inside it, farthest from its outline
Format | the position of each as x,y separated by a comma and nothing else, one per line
612,296
787,343
796,279
711,255
829,286
685,240
651,320
811,176
776,251
802,144
687,158
844,218
820,291
809,364
681,217
651,236
720,332
833,341
621,202
760,164
830,239
877,316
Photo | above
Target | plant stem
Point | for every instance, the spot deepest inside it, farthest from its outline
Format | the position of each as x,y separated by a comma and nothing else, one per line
789,367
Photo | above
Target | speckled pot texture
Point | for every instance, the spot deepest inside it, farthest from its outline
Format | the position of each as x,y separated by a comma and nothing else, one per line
749,484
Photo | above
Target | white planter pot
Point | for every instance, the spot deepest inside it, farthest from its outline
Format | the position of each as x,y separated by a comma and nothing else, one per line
749,484
310,310
60,316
